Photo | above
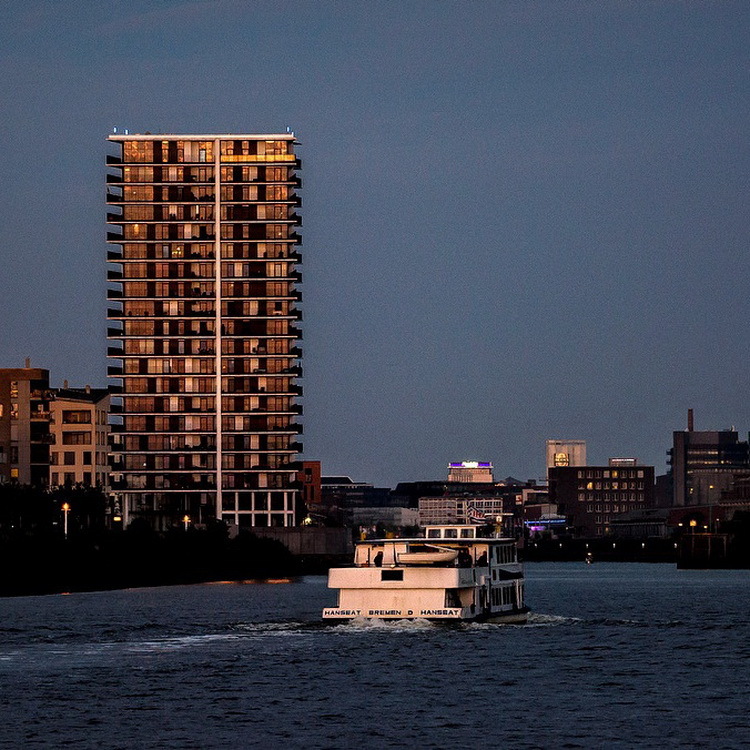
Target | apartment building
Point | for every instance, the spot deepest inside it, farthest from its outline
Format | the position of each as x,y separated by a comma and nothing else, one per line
25,425
80,431
204,327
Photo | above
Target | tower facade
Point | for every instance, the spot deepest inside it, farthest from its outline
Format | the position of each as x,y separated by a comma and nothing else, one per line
204,327
565,453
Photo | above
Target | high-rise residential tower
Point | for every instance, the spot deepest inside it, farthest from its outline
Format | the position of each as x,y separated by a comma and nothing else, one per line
204,327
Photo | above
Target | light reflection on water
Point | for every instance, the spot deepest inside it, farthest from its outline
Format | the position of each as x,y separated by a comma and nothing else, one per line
612,655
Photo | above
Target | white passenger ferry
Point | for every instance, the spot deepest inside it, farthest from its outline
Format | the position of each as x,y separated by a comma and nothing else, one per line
453,573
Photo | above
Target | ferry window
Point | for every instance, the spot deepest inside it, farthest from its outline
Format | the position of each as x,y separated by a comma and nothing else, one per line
452,599
450,534
467,533
391,575
433,533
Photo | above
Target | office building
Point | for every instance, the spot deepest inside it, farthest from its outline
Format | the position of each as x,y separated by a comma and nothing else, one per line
343,492
25,425
591,497
80,431
472,472
204,327
703,464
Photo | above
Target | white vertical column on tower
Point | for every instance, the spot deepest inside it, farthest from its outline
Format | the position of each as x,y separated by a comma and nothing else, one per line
217,326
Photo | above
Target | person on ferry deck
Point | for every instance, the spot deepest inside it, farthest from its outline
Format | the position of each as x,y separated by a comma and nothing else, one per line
464,558
377,561
482,560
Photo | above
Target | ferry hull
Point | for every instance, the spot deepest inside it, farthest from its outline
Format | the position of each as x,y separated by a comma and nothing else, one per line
335,615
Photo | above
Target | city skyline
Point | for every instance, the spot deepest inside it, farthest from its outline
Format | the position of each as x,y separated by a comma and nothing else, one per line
524,223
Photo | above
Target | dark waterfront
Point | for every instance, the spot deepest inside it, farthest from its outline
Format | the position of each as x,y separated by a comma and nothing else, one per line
615,655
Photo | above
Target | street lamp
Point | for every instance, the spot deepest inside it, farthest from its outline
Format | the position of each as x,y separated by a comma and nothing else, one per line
186,521
66,510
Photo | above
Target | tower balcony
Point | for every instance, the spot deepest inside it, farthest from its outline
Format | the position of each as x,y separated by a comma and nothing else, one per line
292,429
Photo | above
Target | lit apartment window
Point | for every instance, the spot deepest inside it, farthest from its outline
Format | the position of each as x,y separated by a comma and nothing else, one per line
76,416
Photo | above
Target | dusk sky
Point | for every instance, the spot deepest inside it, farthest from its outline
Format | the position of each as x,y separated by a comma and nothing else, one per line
522,220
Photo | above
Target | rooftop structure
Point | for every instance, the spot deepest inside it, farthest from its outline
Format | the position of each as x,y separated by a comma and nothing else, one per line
565,453
470,471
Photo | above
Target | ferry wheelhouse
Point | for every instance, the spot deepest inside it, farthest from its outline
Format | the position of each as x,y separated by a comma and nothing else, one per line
452,573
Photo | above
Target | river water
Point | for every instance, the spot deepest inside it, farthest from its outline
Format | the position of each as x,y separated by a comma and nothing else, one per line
614,655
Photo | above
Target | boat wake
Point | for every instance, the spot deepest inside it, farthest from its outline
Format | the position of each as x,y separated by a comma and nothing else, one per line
540,620
366,623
